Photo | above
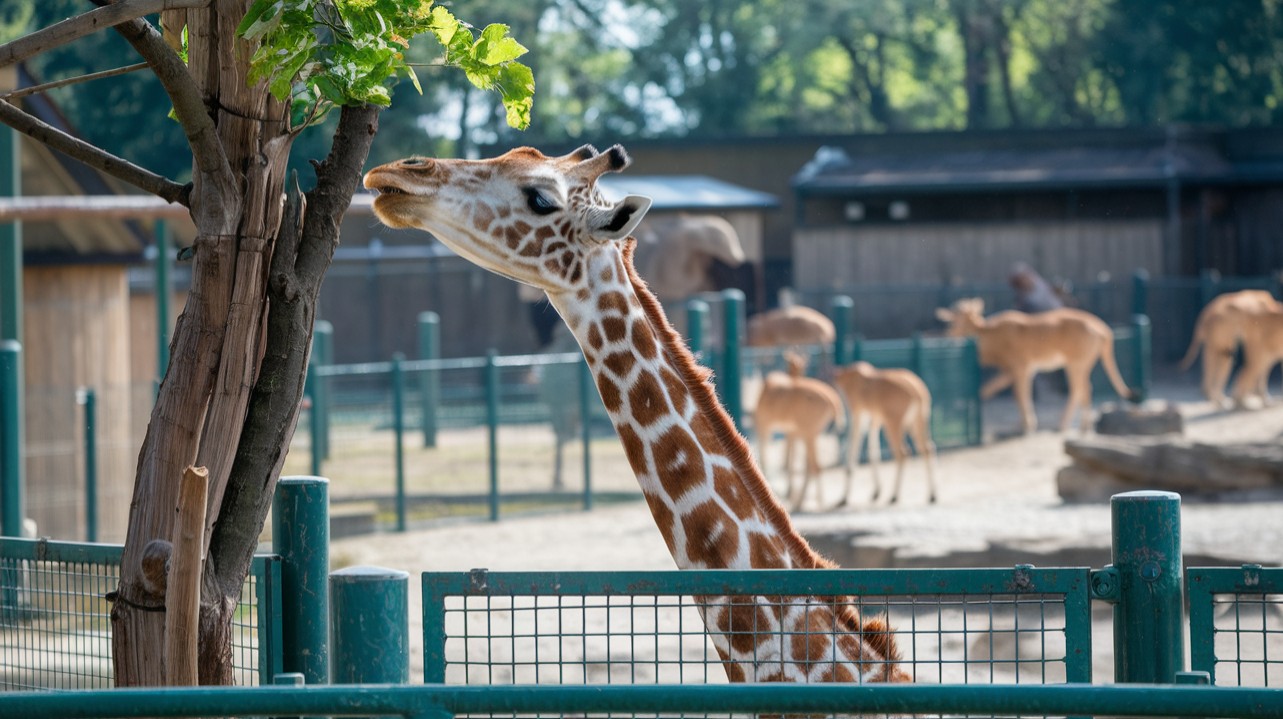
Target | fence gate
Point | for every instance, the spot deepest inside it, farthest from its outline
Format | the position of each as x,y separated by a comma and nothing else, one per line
957,626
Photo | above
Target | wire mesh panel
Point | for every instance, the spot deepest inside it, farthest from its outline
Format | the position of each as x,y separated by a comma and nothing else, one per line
1024,625
55,620
1236,624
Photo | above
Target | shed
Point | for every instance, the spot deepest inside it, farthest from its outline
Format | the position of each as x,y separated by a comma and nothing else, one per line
76,334
1075,205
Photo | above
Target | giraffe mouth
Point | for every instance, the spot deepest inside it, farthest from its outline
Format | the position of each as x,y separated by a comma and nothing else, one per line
389,190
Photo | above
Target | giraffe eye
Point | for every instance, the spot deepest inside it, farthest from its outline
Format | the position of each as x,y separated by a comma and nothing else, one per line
538,203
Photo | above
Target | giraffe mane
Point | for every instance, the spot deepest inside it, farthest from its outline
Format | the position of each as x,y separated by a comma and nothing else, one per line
696,379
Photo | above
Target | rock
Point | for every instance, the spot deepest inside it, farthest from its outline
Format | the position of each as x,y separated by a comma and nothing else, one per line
1148,419
1103,466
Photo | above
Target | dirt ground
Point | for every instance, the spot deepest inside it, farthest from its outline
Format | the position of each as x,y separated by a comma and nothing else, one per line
997,507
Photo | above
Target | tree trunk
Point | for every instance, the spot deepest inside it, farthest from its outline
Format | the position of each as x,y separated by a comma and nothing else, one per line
202,401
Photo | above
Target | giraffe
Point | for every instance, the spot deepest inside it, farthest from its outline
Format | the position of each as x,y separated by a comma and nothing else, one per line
541,220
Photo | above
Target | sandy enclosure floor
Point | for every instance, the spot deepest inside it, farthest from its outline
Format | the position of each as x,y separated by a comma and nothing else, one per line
997,506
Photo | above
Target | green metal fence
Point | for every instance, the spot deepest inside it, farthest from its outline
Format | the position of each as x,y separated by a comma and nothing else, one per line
55,621
1236,624
967,626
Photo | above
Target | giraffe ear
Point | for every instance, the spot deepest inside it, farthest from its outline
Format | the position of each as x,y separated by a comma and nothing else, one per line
621,220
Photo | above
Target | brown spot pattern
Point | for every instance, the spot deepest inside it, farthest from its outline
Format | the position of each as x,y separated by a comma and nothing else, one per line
595,339
615,327
812,636
610,395
613,302
645,399
621,363
678,462
765,552
727,485
644,339
740,619
711,534
677,393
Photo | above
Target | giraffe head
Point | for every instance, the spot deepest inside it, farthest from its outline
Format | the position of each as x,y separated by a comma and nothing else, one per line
524,215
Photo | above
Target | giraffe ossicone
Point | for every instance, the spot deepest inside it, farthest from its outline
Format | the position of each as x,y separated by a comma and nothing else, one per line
542,221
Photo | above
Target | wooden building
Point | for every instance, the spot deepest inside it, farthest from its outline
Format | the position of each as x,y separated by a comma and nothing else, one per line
76,335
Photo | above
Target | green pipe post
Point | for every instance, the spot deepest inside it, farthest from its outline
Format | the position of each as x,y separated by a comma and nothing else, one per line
1140,292
88,400
163,290
732,340
917,353
696,327
841,310
398,432
12,467
429,380
323,351
370,625
975,417
1144,347
586,390
314,427
1149,639
491,380
301,536
10,240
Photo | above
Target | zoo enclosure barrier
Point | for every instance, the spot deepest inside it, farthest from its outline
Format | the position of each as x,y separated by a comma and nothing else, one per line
1143,582
498,433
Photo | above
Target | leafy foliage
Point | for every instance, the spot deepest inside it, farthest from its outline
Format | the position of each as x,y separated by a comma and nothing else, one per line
324,53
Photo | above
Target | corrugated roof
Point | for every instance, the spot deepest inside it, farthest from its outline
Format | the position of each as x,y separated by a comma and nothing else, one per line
833,171
687,192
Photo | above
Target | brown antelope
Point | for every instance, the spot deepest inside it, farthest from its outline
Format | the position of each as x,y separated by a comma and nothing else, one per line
1262,349
896,399
1021,345
802,408
1223,323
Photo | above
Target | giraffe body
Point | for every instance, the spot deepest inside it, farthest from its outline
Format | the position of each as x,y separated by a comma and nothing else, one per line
540,220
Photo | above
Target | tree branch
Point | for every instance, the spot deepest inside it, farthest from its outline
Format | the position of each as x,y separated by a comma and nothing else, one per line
15,94
189,106
91,155
87,24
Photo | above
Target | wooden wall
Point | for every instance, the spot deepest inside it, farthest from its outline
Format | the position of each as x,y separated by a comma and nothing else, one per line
76,335
954,253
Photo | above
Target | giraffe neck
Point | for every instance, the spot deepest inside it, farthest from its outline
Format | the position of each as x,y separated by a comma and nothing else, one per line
708,498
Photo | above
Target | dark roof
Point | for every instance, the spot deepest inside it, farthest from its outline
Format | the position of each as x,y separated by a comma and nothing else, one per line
834,170
687,192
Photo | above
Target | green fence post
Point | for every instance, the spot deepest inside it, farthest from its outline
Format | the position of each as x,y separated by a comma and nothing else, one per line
696,327
301,536
163,291
585,427
398,433
429,380
12,467
975,413
323,351
842,308
370,625
492,430
1149,639
917,352
1207,281
1140,292
730,385
1144,348
85,396
314,426
10,239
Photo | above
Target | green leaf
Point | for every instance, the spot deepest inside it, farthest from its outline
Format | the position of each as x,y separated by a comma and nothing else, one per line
263,17
495,47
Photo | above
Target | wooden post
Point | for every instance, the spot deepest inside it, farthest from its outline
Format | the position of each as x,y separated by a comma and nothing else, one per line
182,595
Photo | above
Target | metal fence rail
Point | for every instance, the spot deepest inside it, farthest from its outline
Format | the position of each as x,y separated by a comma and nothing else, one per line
953,626
1236,624
55,623
436,702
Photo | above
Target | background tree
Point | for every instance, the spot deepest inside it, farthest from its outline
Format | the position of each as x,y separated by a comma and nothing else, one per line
244,79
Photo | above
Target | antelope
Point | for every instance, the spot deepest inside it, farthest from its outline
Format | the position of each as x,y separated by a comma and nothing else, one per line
897,400
802,408
1021,345
1225,322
